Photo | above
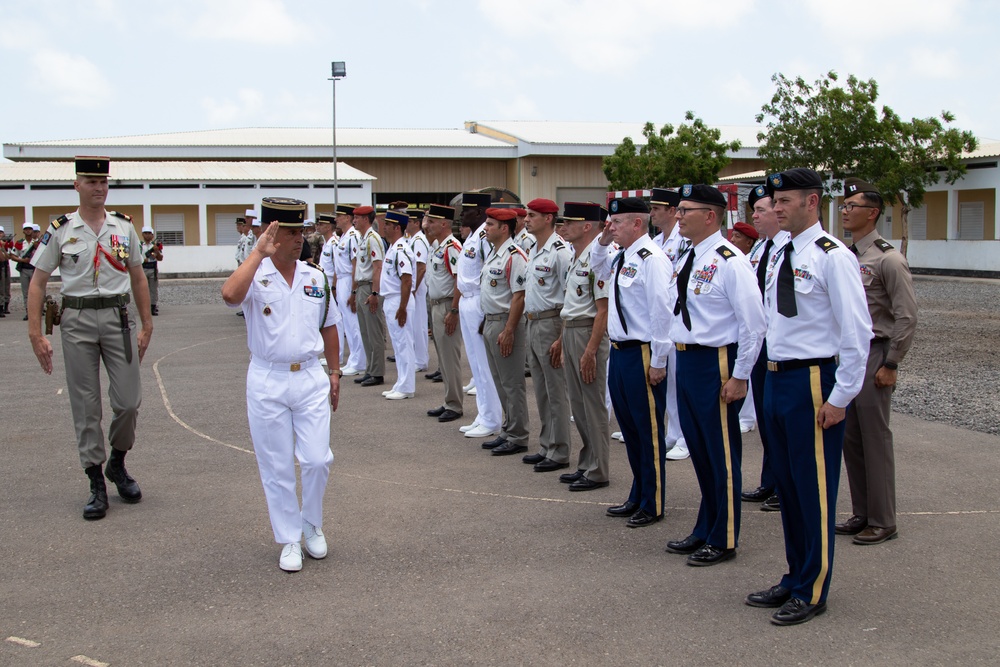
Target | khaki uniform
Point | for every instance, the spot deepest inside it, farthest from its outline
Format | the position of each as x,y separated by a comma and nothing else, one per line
440,280
587,401
502,275
372,325
544,290
868,453
92,329
150,269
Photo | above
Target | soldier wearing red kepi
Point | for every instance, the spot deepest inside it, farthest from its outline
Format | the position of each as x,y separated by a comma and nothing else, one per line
365,299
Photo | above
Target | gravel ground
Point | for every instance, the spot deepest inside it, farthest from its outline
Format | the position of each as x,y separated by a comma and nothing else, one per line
949,376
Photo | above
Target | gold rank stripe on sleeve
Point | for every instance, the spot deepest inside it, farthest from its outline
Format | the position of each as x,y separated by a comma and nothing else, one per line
816,389
731,507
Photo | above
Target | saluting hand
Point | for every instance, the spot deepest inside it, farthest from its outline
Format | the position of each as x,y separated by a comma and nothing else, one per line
606,237
266,245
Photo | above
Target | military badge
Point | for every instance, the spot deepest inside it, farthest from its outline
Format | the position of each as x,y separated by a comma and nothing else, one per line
267,310
600,284
614,206
776,180
493,283
686,190
579,291
541,281
265,282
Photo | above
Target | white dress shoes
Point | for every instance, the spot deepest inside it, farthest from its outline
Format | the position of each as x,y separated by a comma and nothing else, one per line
350,370
480,432
679,451
471,385
617,435
291,557
314,541
468,427
399,395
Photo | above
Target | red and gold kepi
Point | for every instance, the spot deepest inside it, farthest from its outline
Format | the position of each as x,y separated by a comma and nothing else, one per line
89,165
285,211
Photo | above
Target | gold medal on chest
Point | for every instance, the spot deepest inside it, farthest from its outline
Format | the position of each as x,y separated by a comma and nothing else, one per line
697,289
541,281
493,283
267,310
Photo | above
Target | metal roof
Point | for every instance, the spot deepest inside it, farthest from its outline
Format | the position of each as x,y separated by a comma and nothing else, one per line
271,172
599,133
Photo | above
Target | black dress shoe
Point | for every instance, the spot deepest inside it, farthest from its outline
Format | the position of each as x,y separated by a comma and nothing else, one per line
532,459
775,596
495,442
438,378
758,495
688,545
772,504
796,611
584,484
391,358
624,510
431,376
359,380
852,526
570,477
436,412
709,555
548,465
373,381
449,416
642,518
508,448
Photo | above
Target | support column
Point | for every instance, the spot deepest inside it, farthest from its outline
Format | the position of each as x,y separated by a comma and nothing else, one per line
952,214
996,215
202,224
147,214
29,213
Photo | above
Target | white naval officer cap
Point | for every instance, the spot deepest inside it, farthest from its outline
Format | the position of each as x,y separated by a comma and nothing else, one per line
35,227
27,225
147,228
2,230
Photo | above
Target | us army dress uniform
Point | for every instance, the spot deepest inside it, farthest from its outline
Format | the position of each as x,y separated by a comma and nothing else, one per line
639,315
372,325
398,263
503,274
544,290
816,314
717,330
441,278
587,400
868,445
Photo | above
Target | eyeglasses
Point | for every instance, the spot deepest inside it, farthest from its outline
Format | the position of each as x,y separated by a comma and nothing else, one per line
683,210
847,208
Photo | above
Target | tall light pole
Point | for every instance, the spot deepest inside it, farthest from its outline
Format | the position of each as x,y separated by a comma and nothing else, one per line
338,71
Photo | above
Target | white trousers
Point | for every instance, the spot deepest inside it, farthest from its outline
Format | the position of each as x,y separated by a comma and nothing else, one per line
289,416
748,417
470,315
673,419
350,326
421,350
402,343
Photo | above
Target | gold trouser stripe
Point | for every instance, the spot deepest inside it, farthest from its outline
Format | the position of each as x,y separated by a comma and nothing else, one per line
724,413
646,352
817,396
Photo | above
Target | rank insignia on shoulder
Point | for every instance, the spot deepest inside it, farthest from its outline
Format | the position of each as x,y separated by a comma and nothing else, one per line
644,253
512,248
123,216
58,221
883,245
558,244
826,243
725,252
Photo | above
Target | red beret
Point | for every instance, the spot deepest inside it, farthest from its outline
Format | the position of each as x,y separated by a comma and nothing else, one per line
543,206
364,210
746,230
520,212
502,214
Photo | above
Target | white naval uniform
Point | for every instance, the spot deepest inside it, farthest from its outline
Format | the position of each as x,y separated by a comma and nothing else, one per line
470,266
289,410
420,252
673,246
396,264
326,264
344,253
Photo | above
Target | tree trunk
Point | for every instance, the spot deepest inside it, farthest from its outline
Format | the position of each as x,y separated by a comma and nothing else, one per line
905,227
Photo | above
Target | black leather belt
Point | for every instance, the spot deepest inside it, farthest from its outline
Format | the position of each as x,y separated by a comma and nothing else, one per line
625,344
686,347
95,302
880,341
791,365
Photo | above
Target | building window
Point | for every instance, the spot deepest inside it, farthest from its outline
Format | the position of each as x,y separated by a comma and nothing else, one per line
917,220
225,229
970,221
169,228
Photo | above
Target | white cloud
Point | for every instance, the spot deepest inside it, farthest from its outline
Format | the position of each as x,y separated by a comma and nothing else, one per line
252,107
875,20
72,80
250,21
935,64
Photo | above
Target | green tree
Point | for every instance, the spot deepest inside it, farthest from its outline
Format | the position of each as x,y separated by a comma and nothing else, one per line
840,131
694,154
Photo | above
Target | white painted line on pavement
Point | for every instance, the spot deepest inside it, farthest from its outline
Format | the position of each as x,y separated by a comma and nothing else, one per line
59,393
21,641
89,661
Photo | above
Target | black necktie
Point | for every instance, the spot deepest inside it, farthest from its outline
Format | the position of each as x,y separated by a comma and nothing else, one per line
681,307
618,291
762,266
854,249
786,285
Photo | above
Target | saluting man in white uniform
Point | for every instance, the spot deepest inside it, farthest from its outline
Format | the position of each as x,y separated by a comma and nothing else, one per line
291,320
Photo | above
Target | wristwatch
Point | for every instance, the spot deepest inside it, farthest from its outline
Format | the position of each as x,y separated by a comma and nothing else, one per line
335,371
891,365
453,311
374,293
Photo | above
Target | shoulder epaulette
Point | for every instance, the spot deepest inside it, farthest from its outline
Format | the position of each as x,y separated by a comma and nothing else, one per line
558,244
123,216
884,245
482,233
513,248
62,219
644,252
826,243
725,252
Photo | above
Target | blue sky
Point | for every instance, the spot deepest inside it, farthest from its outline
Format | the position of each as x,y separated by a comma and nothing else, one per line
97,68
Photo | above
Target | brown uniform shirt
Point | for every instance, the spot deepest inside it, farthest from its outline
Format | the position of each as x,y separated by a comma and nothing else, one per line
889,288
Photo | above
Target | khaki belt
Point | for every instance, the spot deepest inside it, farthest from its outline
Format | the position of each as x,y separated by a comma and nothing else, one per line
544,314
625,344
791,365
95,302
438,302
364,282
581,322
496,318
